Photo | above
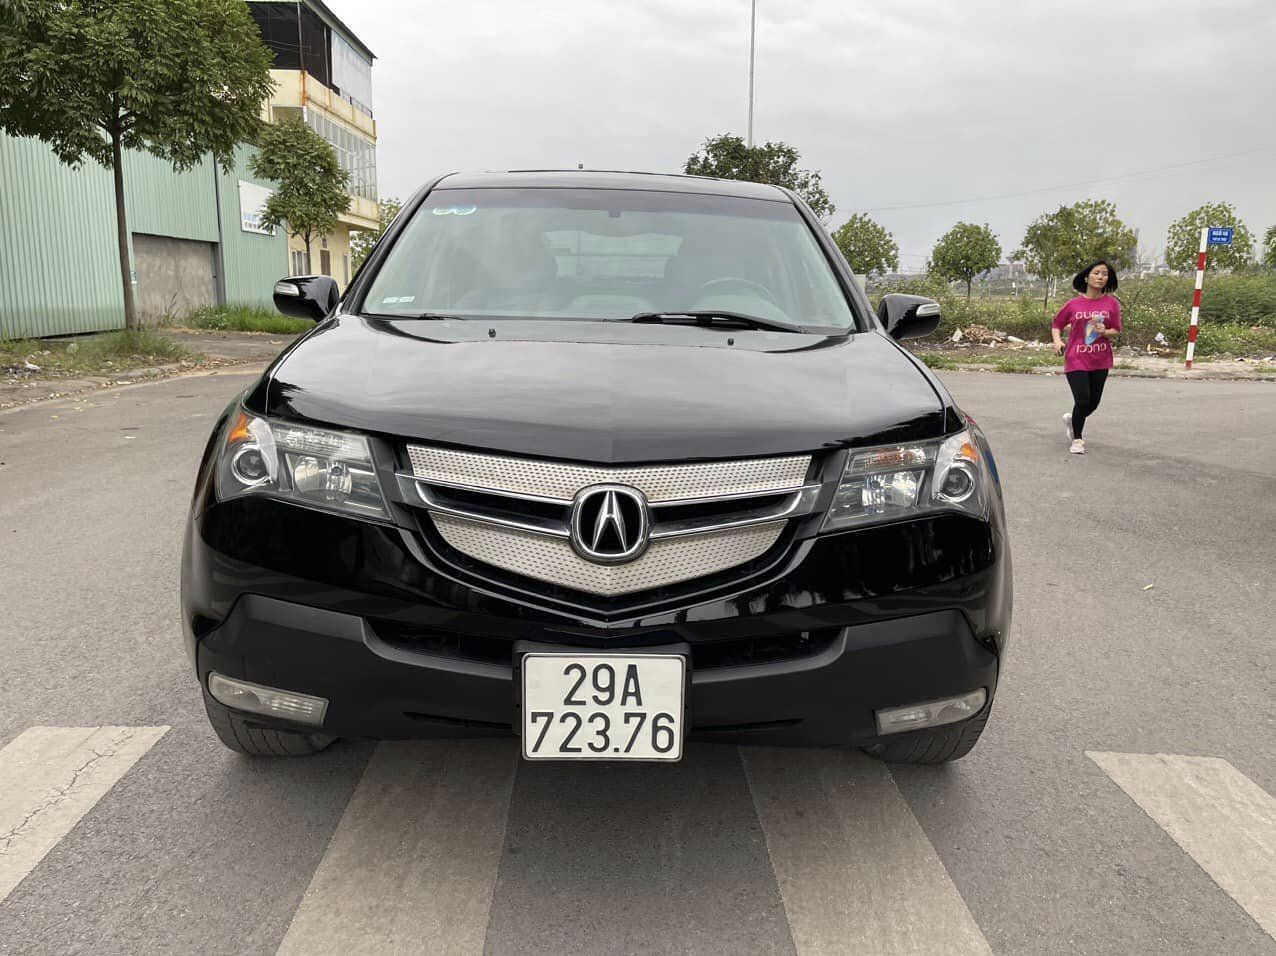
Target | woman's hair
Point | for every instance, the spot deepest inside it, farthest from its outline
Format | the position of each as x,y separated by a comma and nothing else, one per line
1079,280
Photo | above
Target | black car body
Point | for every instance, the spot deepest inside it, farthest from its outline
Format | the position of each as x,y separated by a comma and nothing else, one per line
429,487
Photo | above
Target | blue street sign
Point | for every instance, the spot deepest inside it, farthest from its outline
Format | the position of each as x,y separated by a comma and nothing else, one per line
1221,235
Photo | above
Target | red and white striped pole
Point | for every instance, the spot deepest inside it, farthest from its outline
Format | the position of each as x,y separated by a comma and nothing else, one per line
1196,296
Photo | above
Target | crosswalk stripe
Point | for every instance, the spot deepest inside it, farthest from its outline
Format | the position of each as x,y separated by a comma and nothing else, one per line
1221,818
50,777
856,872
414,860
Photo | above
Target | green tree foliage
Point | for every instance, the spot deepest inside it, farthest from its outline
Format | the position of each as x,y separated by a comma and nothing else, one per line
869,249
92,78
1058,244
1269,248
1183,243
312,185
965,251
727,157
361,243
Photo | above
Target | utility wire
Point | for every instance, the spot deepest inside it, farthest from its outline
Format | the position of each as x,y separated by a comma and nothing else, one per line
1087,182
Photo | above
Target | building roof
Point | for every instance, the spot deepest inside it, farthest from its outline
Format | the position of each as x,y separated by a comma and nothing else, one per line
612,179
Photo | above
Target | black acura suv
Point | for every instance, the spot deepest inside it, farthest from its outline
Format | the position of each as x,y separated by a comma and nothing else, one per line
607,461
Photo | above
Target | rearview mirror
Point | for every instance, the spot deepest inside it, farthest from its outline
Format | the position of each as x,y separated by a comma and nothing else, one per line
307,297
908,316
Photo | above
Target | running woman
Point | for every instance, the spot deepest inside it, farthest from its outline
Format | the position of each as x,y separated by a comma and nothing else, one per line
1094,320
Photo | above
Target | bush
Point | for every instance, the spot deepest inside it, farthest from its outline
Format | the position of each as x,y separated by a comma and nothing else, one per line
1246,298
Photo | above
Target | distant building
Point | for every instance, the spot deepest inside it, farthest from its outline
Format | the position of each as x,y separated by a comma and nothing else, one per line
323,76
1006,270
195,238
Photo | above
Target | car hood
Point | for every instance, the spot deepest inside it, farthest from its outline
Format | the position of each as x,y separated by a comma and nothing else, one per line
604,392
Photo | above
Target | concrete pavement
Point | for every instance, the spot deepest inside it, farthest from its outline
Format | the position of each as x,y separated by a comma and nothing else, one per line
1059,834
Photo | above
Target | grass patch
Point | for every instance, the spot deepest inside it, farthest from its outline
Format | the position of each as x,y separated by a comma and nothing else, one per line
91,355
1025,362
244,318
936,360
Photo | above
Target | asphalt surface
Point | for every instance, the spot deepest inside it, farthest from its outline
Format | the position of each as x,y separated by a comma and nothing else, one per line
1143,625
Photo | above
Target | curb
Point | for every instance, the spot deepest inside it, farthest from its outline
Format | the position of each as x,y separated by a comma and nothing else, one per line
135,378
1181,375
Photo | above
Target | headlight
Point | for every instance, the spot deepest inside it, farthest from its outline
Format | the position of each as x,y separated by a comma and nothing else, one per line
903,481
313,466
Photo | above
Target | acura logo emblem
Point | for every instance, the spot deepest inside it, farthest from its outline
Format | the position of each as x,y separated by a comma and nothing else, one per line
610,523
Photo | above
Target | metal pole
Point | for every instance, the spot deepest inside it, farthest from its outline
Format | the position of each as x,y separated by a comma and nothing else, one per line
1196,295
219,258
753,29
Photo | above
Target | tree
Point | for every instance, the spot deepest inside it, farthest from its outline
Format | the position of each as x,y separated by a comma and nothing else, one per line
361,243
1060,243
1183,243
1100,234
868,247
727,157
93,78
964,252
1269,248
312,185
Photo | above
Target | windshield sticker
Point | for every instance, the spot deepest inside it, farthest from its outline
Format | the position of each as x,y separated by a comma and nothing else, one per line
455,210
392,299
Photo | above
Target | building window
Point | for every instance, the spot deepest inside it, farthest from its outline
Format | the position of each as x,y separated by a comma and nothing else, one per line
325,262
355,154
323,242
345,269
298,262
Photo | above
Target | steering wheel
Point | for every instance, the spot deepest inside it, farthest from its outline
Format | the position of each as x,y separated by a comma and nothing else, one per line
757,287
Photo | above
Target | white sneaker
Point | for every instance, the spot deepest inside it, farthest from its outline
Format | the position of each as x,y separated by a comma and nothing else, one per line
1067,423
1078,446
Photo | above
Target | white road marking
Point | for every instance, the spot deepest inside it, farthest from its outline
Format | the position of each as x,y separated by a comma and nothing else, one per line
1221,818
413,863
856,872
50,777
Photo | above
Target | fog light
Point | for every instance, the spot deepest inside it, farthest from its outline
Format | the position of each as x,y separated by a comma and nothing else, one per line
270,701
935,713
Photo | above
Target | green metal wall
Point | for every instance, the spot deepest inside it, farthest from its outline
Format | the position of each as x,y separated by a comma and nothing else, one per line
59,269
253,263
59,265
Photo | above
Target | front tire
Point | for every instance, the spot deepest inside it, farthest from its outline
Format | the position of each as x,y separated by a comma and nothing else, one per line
934,746
243,737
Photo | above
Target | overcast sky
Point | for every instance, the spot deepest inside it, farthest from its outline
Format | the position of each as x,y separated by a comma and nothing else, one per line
897,102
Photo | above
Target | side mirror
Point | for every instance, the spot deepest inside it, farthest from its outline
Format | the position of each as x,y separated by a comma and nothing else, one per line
908,316
307,297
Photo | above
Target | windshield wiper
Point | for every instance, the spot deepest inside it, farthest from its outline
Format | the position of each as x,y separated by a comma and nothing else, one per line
438,316
708,317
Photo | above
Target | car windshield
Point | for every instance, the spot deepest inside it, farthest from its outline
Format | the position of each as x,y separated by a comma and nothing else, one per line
607,254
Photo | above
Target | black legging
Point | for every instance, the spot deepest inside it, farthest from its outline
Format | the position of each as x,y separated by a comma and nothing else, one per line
1087,389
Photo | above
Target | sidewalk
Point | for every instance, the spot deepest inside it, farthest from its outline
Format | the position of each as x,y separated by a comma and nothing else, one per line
1141,366
210,350
213,350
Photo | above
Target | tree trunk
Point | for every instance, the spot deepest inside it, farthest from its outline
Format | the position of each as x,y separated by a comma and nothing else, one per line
126,273
967,290
306,239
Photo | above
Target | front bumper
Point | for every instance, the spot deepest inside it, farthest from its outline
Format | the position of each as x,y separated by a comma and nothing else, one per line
361,615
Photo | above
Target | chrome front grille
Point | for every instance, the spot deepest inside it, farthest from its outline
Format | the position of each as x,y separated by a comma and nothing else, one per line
552,559
515,514
560,482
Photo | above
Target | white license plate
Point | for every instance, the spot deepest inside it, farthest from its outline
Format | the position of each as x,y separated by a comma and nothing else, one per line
603,706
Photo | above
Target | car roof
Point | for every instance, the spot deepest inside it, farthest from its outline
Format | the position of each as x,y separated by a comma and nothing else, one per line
611,179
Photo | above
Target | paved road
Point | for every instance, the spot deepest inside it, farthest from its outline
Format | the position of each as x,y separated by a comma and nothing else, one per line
125,828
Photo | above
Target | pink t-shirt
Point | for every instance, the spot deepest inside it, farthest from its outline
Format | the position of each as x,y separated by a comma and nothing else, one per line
1087,350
